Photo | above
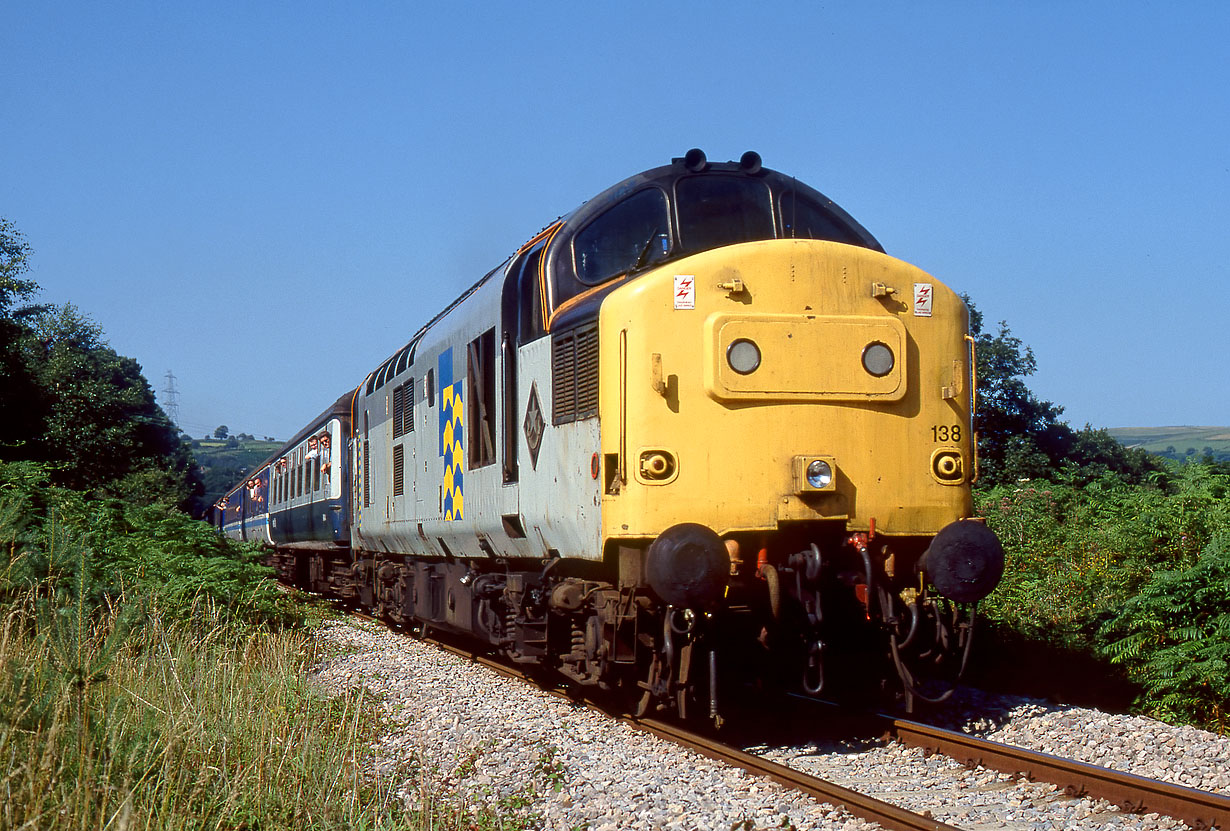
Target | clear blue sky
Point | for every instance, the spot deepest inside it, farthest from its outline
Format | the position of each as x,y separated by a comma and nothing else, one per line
269,198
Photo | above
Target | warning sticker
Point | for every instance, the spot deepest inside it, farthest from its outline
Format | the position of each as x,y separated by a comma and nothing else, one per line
685,291
922,299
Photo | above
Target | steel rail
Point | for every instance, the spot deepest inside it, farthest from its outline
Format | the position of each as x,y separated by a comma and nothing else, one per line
864,807
885,814
1132,793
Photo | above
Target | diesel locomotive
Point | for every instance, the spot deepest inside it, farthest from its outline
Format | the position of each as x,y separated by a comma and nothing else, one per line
699,432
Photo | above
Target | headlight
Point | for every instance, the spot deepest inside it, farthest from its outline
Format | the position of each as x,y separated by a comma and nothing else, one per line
815,474
819,474
743,356
878,359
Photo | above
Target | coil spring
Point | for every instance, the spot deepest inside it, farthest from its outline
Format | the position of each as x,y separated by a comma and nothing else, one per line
578,641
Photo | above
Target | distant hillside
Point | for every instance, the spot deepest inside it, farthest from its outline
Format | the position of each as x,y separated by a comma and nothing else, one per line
225,462
1177,442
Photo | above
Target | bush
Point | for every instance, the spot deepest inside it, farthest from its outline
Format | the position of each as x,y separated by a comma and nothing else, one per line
153,552
1174,638
202,723
1090,565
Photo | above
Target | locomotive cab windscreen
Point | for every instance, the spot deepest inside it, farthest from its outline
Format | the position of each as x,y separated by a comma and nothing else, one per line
676,211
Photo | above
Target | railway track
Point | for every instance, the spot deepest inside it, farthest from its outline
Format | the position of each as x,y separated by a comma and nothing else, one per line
865,807
862,806
1131,793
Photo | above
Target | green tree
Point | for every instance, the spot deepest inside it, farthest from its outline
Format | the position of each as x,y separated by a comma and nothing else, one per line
20,395
103,427
72,402
1017,432
222,432
14,262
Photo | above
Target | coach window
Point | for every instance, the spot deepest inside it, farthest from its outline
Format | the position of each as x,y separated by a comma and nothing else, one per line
480,398
802,218
722,210
633,234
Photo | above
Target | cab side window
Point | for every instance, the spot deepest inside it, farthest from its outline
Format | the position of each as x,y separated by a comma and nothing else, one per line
480,398
530,294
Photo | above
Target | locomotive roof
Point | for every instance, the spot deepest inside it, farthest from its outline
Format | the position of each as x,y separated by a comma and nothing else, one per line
695,164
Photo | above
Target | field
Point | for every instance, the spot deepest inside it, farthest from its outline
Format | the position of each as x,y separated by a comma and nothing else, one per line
1177,442
222,465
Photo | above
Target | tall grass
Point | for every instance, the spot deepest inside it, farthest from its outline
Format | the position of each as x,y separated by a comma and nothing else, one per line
181,725
153,676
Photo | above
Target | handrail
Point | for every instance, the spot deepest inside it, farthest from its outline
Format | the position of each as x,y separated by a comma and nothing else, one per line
973,399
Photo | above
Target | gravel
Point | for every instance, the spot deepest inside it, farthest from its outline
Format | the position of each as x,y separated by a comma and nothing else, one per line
462,736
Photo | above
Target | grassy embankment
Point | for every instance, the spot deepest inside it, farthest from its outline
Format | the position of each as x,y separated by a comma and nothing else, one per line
224,464
151,676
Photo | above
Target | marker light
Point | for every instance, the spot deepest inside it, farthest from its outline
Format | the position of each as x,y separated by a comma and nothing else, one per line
743,356
878,359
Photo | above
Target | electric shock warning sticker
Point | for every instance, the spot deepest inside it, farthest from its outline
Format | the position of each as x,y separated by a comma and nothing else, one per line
685,291
922,299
